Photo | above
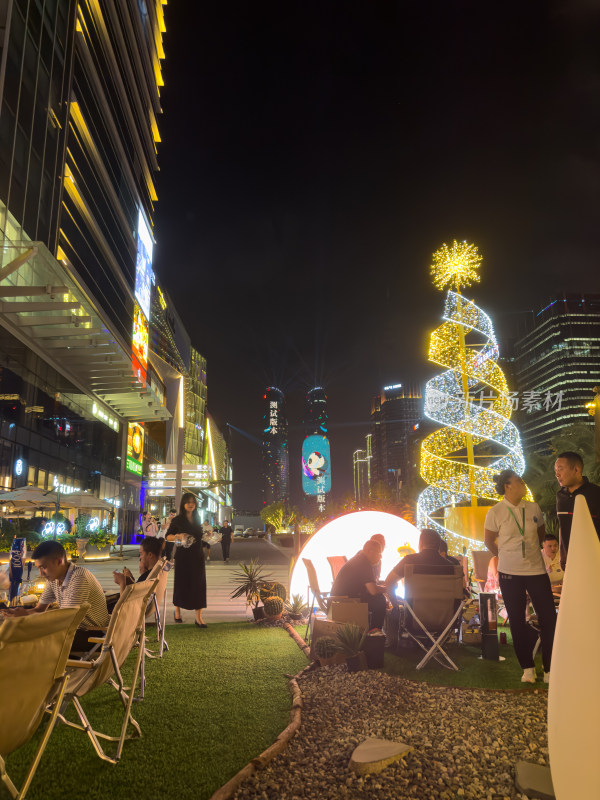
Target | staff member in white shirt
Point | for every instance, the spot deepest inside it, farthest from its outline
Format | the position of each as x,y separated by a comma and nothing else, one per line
514,530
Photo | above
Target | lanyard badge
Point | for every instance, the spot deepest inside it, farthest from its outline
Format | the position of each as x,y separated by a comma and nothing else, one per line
521,529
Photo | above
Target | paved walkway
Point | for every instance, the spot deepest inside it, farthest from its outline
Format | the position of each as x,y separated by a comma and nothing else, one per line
218,578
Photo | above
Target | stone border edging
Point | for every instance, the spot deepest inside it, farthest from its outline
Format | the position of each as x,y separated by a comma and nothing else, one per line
281,742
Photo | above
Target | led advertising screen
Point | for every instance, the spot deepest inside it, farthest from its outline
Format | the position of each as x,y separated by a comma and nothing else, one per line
144,277
135,448
316,466
140,337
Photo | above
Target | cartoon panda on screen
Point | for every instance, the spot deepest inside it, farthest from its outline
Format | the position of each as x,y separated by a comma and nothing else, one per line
315,465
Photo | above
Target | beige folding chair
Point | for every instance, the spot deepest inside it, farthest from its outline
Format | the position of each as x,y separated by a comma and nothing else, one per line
336,563
156,613
433,604
33,659
324,599
125,632
481,562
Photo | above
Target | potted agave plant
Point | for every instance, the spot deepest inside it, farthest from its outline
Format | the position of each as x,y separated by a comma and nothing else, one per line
248,580
296,607
351,641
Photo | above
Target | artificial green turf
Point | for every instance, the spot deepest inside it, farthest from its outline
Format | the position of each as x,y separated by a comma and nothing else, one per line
472,672
217,699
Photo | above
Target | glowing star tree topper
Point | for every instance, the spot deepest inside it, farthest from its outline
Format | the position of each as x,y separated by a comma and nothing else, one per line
455,266
471,402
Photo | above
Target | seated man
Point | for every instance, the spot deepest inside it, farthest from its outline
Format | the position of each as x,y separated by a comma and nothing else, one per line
69,586
150,553
378,537
444,552
429,554
355,579
551,556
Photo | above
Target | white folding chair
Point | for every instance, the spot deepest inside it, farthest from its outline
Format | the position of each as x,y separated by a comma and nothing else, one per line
433,604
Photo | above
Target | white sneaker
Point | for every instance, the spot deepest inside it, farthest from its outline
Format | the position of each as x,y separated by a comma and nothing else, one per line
546,677
528,675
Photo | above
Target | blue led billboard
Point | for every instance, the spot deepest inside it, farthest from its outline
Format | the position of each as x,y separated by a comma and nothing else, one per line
316,465
144,277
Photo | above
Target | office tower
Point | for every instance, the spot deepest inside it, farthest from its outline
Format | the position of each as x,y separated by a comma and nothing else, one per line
394,413
275,448
79,100
557,367
316,453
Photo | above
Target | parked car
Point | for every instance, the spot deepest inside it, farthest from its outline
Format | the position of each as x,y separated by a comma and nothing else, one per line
238,531
249,532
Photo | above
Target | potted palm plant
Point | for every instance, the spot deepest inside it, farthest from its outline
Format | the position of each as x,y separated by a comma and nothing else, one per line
351,641
248,580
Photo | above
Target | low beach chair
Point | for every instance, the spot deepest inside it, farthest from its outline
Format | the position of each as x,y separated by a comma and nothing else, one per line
34,652
125,632
433,604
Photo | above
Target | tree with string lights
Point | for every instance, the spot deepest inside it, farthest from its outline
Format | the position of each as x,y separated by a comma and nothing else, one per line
471,402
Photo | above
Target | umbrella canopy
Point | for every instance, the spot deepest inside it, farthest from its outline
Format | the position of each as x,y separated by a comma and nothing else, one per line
29,497
84,500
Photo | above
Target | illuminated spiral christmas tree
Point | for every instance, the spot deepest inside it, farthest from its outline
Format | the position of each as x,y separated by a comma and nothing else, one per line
456,460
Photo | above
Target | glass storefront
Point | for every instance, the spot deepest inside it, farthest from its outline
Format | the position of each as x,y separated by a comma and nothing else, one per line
48,423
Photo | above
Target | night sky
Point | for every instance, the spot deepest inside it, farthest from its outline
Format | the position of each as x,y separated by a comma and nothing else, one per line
314,155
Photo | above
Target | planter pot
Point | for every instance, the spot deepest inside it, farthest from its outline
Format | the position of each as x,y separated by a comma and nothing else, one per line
81,547
374,651
91,551
325,662
296,617
275,617
356,663
258,612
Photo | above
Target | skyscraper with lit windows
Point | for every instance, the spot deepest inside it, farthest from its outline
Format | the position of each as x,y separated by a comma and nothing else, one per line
557,367
316,453
275,448
394,413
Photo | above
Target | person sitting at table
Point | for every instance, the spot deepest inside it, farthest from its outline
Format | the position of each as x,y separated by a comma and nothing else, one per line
429,554
551,556
444,552
356,579
380,538
68,586
150,553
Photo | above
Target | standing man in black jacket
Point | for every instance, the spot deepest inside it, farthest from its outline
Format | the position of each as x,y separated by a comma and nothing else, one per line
568,469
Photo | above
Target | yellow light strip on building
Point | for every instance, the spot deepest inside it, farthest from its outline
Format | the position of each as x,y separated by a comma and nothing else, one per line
212,454
181,389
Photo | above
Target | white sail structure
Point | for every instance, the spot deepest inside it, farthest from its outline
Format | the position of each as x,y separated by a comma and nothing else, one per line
574,692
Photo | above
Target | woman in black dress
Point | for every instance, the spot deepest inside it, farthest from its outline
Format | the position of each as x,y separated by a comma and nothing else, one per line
190,573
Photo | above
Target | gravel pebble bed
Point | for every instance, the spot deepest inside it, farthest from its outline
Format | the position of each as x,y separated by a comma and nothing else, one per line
466,741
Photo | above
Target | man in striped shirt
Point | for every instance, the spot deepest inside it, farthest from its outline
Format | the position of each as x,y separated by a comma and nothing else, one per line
66,585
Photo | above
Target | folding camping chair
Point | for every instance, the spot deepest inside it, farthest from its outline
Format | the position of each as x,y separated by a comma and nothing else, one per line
33,660
125,632
433,604
323,599
156,613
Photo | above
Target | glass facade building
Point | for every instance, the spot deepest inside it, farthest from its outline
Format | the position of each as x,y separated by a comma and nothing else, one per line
79,100
557,367
394,413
